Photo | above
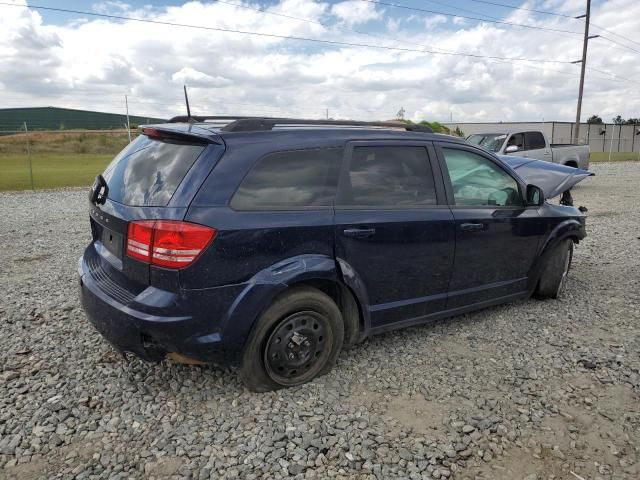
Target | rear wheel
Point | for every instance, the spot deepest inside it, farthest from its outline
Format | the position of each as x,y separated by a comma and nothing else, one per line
297,339
554,276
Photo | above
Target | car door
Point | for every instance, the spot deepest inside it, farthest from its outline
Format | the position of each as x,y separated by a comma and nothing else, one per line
394,233
496,235
536,146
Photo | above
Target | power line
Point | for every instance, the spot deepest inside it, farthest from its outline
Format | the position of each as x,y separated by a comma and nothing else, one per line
326,25
546,12
556,31
382,37
620,44
283,37
444,51
500,22
447,5
613,75
616,34
498,60
330,42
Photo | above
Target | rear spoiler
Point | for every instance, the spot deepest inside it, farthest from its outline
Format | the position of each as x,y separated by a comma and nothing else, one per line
185,133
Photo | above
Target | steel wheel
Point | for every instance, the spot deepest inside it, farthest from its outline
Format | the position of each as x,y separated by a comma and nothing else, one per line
298,347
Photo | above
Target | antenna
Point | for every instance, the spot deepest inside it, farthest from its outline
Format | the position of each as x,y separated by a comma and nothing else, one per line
186,99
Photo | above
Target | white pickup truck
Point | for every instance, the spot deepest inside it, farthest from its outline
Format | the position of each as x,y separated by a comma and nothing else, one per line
533,144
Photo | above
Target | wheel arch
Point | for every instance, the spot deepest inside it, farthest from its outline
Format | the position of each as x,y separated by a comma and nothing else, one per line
346,301
569,229
571,162
317,271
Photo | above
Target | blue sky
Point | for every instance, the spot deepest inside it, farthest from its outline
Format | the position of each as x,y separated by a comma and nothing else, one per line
73,61
461,7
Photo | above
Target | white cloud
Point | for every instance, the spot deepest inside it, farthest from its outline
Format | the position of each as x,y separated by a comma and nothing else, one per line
434,20
459,21
354,12
92,63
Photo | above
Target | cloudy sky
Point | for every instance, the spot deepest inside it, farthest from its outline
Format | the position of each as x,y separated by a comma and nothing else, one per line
79,61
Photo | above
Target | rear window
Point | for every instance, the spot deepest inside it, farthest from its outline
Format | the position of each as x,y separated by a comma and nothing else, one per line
390,177
291,179
148,171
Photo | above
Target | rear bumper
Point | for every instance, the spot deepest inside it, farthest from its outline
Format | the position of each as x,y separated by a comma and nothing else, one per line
204,325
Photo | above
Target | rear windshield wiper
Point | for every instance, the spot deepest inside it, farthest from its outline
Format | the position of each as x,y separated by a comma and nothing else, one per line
99,191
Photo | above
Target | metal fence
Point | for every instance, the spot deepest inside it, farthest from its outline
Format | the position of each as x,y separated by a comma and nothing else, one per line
600,137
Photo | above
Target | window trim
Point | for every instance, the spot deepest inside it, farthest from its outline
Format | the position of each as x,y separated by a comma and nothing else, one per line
285,208
344,179
496,161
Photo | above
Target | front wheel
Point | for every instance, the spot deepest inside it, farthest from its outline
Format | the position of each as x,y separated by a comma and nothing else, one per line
297,339
554,276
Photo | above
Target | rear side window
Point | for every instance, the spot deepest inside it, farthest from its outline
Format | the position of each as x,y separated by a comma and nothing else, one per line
389,176
534,140
147,172
291,179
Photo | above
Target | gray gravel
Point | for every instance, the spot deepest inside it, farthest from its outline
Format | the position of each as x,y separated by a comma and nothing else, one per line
534,390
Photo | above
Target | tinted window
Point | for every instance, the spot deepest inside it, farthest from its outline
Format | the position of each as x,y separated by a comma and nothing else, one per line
516,139
534,140
147,172
478,181
389,176
299,178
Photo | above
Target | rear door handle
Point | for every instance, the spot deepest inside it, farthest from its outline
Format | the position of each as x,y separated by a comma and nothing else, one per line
469,227
359,232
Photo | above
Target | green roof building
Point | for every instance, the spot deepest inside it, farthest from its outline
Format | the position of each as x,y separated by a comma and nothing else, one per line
53,118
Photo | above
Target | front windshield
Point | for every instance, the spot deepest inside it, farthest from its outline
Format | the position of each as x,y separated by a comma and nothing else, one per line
489,141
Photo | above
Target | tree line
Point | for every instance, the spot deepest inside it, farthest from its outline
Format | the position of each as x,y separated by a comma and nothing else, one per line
618,120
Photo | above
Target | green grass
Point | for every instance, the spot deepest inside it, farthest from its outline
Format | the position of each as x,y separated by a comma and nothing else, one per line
59,158
50,170
615,156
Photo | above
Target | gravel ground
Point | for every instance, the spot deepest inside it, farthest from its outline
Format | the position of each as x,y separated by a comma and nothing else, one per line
535,390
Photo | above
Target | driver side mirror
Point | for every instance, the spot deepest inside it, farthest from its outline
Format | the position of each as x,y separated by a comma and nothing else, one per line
511,149
535,196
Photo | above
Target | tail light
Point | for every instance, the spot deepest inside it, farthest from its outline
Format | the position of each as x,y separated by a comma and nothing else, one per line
167,243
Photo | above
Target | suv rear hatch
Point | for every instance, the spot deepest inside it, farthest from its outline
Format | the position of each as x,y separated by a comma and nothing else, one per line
154,178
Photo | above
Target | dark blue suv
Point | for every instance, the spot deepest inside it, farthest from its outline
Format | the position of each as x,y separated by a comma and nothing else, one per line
271,244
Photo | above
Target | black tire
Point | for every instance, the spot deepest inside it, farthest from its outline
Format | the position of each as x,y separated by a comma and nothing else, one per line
554,276
305,323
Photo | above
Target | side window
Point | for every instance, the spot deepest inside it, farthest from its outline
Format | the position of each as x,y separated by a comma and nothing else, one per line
292,179
389,176
478,181
516,139
534,140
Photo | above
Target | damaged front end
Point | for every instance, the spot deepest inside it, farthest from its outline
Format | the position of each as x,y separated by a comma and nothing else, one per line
554,179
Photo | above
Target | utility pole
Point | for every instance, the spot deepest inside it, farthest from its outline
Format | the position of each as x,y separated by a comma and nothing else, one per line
583,62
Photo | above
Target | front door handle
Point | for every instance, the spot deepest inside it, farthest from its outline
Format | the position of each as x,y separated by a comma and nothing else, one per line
469,227
359,232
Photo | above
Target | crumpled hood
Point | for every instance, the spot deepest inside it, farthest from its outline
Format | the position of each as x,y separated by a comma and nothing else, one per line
552,178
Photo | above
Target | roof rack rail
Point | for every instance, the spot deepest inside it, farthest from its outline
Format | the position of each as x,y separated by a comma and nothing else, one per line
250,124
204,118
